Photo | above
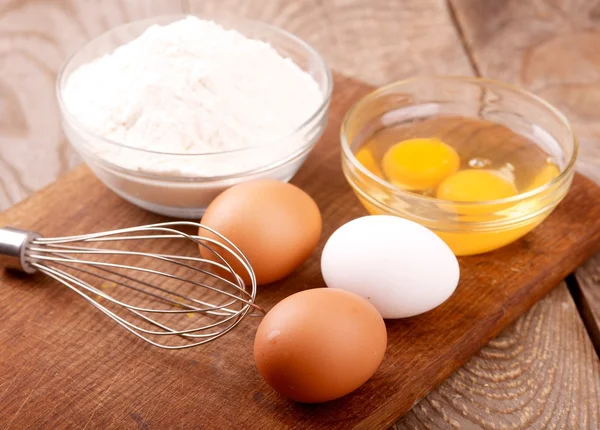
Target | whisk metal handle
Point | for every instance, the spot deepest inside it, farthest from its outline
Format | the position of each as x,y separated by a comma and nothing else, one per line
13,244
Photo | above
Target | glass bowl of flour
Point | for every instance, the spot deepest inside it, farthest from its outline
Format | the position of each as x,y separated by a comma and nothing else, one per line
169,112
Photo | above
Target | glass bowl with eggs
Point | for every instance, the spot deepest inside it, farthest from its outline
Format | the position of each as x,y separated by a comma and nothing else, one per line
170,111
479,162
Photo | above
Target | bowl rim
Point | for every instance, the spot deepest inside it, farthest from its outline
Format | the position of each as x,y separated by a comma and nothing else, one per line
565,174
62,78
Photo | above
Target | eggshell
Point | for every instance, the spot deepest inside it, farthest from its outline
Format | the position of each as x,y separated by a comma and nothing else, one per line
275,224
401,267
319,344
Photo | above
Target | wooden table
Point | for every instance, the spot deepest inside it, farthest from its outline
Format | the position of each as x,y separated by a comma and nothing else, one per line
541,372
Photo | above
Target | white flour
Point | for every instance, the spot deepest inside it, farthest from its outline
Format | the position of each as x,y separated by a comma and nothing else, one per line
192,87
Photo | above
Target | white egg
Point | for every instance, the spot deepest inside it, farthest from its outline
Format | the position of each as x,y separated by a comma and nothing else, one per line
401,267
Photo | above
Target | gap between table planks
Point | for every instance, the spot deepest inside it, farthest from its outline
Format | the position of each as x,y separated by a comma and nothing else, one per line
67,358
552,49
387,40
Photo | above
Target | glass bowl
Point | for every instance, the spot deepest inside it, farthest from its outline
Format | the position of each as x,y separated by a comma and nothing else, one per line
468,228
187,195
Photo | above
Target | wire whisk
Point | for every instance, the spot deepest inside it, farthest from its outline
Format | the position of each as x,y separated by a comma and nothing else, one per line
170,301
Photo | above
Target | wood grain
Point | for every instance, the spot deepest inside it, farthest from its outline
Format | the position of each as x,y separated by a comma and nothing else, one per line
378,41
37,36
553,49
587,294
63,365
549,47
518,380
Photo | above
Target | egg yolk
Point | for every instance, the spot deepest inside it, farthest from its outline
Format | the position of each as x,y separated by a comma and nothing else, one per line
475,186
419,164
366,158
549,172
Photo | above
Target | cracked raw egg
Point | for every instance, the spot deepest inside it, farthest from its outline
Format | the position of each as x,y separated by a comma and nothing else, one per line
419,164
473,185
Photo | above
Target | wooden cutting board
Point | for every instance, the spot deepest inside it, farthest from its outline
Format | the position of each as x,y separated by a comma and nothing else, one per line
65,365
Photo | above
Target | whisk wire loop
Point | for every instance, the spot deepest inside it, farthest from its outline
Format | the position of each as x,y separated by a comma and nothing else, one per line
153,295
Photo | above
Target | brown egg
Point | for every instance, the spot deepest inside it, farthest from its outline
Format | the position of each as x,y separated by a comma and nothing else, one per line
320,344
275,224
